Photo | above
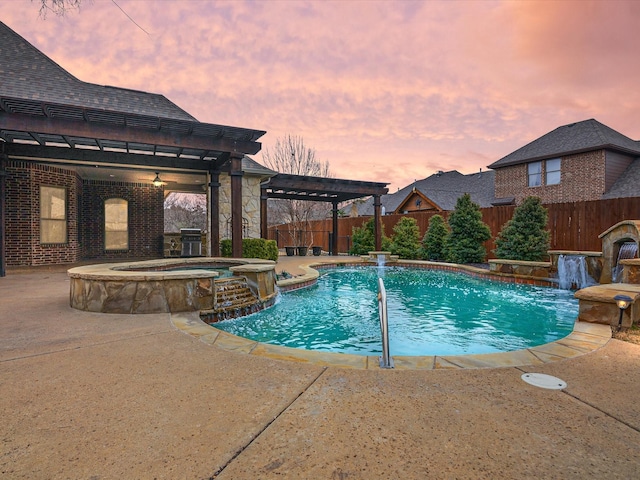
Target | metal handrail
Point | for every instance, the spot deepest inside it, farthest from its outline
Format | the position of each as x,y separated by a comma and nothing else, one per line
385,360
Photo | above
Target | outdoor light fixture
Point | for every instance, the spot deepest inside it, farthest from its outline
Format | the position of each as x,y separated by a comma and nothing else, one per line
623,302
156,181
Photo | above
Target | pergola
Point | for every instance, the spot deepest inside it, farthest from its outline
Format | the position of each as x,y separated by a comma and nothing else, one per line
49,132
320,189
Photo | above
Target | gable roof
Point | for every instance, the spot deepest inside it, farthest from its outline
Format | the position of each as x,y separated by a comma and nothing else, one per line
29,74
416,195
47,113
570,139
628,184
442,189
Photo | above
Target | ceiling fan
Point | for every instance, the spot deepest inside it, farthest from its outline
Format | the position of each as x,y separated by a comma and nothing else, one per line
157,181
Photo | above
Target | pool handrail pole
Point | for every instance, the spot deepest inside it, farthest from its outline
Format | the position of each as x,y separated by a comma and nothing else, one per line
385,360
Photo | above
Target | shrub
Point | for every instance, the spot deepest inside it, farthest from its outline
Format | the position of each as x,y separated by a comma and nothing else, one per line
363,239
525,236
405,241
225,247
434,242
468,233
252,248
271,250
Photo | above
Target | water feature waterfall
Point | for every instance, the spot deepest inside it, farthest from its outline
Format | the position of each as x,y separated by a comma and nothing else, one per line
381,259
572,271
627,250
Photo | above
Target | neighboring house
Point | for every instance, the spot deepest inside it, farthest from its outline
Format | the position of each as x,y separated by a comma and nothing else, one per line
436,193
78,160
578,162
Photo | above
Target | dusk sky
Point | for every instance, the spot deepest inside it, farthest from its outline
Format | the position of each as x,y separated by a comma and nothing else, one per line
383,91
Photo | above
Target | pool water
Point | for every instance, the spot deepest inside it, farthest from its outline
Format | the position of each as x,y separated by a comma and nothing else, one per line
430,312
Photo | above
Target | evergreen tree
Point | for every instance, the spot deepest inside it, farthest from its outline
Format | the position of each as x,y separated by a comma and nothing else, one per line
405,241
525,236
468,233
434,241
363,239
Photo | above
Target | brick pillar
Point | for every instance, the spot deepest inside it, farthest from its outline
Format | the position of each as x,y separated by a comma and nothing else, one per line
3,176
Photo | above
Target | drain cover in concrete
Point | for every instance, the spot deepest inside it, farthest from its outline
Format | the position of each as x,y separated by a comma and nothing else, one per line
544,381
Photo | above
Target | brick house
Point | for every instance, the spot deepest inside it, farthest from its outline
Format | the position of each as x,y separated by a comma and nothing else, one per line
578,162
78,163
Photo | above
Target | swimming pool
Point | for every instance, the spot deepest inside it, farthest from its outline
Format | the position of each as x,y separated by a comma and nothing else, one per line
431,312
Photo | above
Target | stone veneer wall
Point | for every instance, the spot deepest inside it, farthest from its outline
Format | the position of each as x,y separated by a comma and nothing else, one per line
250,205
23,214
146,219
582,179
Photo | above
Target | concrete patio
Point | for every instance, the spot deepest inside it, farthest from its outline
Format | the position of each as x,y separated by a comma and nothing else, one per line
101,396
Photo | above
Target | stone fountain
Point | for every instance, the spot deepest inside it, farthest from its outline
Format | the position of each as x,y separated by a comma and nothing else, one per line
619,244
619,275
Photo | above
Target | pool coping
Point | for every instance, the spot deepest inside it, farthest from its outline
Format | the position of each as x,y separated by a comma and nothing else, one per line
585,338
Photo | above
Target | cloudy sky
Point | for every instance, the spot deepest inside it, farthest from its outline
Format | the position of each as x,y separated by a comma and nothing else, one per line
383,91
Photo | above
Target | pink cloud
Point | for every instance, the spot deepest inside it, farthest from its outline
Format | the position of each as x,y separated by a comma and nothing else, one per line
388,91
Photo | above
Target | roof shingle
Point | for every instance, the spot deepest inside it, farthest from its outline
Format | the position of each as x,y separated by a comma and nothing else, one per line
27,73
444,189
568,139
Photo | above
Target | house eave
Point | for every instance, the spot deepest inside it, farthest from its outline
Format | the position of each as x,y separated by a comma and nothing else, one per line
497,165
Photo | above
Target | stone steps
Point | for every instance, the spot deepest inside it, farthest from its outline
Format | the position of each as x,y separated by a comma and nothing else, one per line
233,298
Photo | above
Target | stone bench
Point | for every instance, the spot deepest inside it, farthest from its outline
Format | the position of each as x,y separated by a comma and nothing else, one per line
520,267
373,257
596,304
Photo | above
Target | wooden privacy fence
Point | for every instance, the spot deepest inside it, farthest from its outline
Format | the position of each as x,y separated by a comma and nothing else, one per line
573,226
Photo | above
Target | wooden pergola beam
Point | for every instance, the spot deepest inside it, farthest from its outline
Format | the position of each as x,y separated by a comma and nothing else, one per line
83,156
73,128
333,190
326,185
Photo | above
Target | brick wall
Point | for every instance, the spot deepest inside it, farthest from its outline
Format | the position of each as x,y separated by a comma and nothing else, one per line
23,214
85,216
146,219
582,179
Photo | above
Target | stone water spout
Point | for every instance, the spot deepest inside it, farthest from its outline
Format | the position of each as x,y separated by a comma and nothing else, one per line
628,250
380,258
613,244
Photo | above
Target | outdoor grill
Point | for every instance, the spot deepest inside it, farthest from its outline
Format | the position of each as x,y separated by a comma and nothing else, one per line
191,239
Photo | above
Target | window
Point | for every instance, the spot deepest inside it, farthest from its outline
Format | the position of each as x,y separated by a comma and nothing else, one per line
534,171
53,215
552,171
116,224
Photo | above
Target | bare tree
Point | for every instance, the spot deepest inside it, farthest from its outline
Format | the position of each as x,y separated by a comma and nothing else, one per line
58,7
185,210
291,155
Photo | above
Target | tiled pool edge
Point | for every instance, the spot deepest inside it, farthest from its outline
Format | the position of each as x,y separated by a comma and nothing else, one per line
311,273
585,338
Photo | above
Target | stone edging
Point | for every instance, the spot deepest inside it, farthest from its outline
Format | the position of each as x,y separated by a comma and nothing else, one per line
585,338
